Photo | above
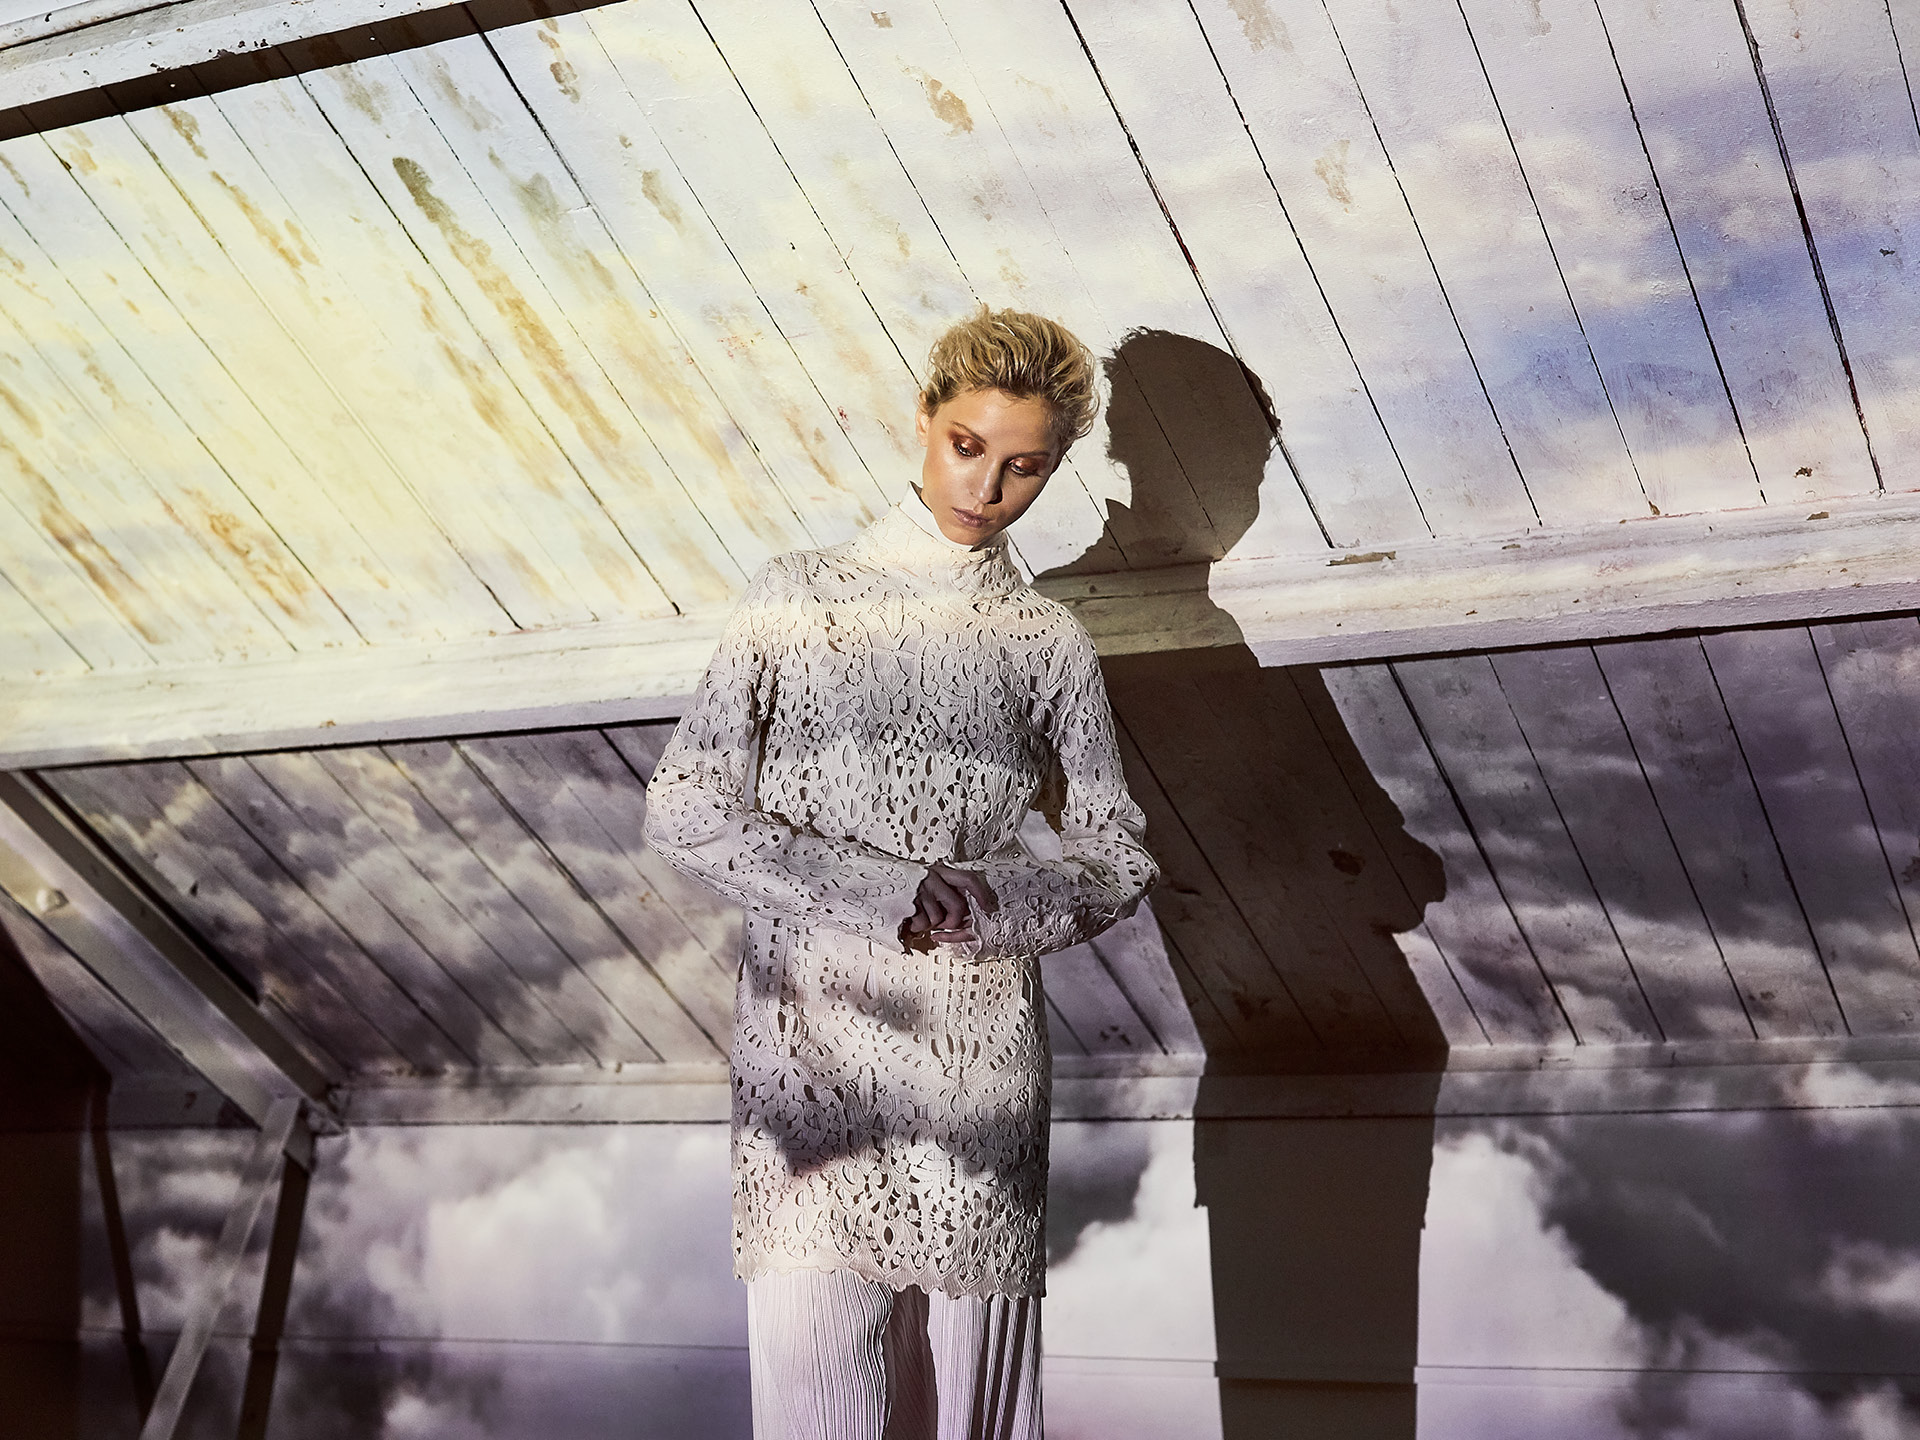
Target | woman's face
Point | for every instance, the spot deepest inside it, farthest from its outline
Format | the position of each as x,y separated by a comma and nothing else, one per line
988,458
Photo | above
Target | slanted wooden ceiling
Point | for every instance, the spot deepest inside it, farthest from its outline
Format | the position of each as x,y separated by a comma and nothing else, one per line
570,323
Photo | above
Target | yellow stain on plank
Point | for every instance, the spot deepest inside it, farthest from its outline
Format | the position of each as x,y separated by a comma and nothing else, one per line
946,105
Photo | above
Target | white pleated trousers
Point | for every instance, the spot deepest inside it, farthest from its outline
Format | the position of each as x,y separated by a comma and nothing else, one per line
836,1356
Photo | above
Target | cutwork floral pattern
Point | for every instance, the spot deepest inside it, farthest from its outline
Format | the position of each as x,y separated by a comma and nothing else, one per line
872,707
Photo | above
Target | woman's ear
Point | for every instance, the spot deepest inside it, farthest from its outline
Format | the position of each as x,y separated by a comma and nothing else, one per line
921,420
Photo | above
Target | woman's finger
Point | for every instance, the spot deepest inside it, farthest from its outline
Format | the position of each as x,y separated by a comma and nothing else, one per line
946,907
973,884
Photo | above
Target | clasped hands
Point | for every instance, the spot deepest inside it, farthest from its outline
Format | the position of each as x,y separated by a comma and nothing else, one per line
940,914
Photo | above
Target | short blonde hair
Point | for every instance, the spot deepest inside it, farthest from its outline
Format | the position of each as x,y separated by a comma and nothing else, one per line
1022,354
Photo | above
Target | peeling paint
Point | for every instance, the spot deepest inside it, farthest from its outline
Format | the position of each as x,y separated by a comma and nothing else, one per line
1260,26
945,105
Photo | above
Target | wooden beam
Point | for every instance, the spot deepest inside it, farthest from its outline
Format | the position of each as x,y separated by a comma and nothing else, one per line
1695,572
90,46
56,871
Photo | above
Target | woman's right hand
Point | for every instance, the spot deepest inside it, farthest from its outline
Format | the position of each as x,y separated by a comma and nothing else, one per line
940,914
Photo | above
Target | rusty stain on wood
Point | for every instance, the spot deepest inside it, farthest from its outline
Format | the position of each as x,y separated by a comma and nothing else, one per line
943,102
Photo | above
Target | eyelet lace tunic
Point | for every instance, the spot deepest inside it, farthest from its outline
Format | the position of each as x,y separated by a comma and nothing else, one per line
872,707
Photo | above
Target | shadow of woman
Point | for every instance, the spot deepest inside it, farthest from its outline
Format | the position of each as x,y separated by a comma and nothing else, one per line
1286,874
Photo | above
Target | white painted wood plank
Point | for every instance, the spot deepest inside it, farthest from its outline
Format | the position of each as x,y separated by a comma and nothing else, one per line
30,647
1092,1007
485,471
307,856
1757,567
1472,926
657,226
223,365
285,132
1872,669
1155,63
1685,743
168,828
469,957
510,848
1290,80
1455,163
411,824
586,351
70,476
930,117
1705,126
1792,740
571,804
154,441
1582,748
1488,765
699,143
1572,127
1844,101
1136,955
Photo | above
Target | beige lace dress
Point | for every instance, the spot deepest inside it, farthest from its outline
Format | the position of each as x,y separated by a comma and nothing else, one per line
874,706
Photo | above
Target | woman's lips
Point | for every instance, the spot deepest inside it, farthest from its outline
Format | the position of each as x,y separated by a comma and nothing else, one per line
971,520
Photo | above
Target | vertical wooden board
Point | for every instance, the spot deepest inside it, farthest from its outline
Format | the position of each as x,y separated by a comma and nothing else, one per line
124,1042
1473,926
1573,129
67,474
1665,692
1777,698
1842,95
30,646
1783,714
938,125
489,475
152,439
691,137
1477,742
1238,1000
1462,180
142,238
1242,837
570,800
678,368
1290,80
1207,171
520,859
167,829
1872,668
1584,753
447,863
387,873
307,854
1705,126
606,375
369,250
601,131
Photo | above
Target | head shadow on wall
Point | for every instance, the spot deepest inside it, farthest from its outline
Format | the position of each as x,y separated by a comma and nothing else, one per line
1286,873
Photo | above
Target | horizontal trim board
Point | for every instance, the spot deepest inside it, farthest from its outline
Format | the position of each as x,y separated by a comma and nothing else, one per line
1655,576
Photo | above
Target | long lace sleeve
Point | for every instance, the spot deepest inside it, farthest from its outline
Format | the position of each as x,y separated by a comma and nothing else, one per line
699,817
1104,869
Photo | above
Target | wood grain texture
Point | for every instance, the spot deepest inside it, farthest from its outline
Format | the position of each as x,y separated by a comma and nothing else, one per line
1791,736
1706,128
1472,929
1572,125
1701,780
1586,757
1842,93
1477,741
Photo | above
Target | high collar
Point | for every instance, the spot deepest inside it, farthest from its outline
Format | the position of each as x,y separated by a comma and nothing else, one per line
906,539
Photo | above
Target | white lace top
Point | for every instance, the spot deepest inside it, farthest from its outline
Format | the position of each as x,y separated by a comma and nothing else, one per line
874,706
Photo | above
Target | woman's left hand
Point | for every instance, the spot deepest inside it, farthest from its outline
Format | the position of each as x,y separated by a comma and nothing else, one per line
940,914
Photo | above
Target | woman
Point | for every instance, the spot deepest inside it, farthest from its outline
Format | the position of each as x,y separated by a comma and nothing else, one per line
878,720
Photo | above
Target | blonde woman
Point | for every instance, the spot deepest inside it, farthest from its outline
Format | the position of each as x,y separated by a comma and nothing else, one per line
877,722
